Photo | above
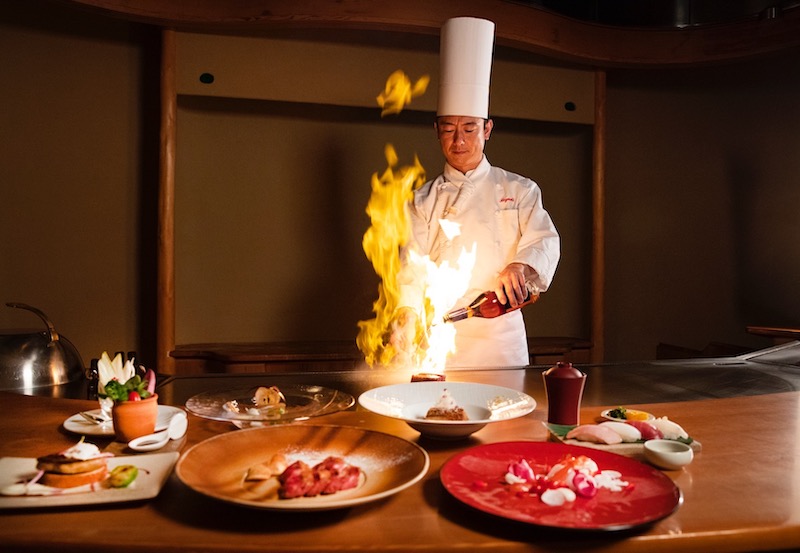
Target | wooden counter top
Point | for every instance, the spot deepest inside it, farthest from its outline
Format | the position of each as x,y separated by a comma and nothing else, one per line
741,493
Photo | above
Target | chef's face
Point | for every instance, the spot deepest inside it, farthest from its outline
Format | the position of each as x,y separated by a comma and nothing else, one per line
462,140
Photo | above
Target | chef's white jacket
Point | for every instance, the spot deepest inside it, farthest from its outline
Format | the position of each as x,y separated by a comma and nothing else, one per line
502,214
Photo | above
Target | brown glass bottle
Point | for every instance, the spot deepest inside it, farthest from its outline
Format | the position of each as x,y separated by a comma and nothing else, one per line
487,306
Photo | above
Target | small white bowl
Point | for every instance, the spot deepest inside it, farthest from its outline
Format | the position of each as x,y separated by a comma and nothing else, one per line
668,454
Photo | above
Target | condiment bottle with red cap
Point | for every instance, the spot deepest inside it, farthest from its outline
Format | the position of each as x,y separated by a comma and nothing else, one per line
563,384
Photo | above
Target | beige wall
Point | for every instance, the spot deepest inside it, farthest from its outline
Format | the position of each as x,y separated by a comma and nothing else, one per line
271,210
271,193
702,200
71,159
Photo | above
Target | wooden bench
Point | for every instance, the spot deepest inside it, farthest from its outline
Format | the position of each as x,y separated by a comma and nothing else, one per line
255,357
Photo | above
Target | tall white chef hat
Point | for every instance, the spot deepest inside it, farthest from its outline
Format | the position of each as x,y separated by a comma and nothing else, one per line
465,66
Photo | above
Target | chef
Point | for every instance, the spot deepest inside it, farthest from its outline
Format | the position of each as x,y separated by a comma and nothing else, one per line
501,213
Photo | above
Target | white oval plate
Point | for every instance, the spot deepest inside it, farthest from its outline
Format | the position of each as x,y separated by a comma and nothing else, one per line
605,414
78,425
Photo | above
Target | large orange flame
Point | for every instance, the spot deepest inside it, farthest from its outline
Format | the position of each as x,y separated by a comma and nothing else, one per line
388,234
399,91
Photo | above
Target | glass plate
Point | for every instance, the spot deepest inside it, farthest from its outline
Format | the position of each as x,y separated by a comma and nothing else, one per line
302,402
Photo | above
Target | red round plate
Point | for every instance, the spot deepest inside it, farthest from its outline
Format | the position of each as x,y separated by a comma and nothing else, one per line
475,477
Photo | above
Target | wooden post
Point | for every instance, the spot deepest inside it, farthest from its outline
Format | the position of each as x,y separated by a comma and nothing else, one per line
598,219
165,325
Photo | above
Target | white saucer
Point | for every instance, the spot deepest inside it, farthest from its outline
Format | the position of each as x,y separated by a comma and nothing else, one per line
607,415
78,425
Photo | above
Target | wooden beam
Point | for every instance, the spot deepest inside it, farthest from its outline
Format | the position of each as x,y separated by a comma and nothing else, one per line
297,67
165,326
598,219
523,27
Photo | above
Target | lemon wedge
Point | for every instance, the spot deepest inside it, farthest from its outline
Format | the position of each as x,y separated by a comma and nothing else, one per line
634,415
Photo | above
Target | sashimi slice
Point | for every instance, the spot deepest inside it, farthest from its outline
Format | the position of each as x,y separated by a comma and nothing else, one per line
627,432
594,433
671,430
649,431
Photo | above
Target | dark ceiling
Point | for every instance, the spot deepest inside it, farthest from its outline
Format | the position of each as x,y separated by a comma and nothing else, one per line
664,13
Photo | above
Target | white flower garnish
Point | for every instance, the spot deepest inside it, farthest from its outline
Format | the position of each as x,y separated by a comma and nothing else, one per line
108,370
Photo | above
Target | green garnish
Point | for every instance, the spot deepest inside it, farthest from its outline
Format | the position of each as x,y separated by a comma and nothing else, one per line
122,476
120,392
618,413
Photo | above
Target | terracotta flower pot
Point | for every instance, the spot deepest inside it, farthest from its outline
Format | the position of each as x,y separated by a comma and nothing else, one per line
135,418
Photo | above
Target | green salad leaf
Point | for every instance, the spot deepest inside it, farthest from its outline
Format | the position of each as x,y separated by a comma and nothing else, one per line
121,392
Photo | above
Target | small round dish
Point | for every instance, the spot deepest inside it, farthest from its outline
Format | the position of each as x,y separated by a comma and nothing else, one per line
668,454
176,429
639,415
483,403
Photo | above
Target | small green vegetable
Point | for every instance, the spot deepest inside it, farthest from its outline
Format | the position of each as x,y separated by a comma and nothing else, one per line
618,413
122,476
121,392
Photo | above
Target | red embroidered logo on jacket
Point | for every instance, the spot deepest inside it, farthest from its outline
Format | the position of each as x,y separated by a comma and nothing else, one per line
506,199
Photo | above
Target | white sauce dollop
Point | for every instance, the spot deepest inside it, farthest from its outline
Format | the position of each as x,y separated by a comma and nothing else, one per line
446,401
82,451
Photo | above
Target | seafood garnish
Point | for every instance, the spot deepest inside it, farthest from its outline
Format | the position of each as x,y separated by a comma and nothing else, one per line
266,402
570,478
268,397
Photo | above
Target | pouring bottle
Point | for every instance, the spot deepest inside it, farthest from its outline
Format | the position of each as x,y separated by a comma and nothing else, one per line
487,306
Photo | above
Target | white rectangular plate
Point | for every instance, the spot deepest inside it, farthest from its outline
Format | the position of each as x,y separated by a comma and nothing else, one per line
154,469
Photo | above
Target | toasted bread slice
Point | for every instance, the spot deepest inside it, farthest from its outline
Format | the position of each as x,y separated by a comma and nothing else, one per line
64,465
58,480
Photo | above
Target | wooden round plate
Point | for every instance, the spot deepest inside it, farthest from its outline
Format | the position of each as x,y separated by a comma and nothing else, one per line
217,466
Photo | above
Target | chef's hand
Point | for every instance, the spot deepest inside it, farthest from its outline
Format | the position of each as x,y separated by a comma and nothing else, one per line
402,334
511,288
